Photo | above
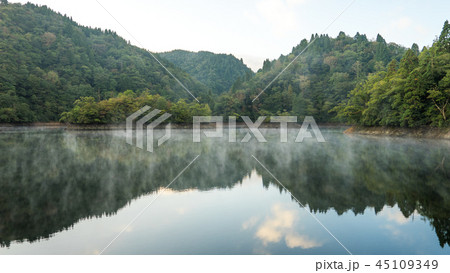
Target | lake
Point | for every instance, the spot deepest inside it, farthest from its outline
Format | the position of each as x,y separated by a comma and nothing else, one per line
74,192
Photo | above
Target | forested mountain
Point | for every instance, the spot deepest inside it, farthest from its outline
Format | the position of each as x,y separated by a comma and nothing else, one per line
414,92
315,83
217,71
48,61
49,65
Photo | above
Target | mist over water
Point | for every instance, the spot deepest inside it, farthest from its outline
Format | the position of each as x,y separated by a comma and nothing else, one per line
73,192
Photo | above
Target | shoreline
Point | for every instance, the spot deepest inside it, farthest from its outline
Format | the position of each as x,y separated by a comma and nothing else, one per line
421,132
122,126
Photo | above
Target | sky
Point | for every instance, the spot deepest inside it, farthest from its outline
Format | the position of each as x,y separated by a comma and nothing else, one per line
255,30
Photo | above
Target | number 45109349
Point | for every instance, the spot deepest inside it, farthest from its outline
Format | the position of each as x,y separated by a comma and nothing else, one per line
407,264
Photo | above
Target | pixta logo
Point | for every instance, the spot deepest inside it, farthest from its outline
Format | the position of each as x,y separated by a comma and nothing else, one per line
254,128
308,123
149,128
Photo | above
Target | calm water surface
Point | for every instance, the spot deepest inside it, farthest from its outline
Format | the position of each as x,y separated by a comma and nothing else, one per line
72,192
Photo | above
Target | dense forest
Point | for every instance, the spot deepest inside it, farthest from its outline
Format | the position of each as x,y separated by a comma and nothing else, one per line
54,69
216,71
48,61
414,92
315,83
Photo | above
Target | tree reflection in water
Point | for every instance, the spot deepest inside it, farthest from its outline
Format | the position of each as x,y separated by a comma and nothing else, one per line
51,180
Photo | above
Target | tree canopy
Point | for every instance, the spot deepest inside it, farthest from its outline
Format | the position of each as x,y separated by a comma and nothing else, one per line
217,71
48,61
412,93
317,81
115,110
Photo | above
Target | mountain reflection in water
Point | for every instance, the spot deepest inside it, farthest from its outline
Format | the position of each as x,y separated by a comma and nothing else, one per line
50,181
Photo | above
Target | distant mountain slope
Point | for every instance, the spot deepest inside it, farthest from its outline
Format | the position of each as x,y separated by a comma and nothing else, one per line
48,61
217,71
313,84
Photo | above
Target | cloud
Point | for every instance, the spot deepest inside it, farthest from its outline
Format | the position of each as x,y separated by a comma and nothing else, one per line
294,240
394,215
281,224
395,221
393,230
273,229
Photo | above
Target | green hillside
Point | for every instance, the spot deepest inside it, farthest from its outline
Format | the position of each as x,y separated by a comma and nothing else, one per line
217,71
413,92
51,68
316,82
48,61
